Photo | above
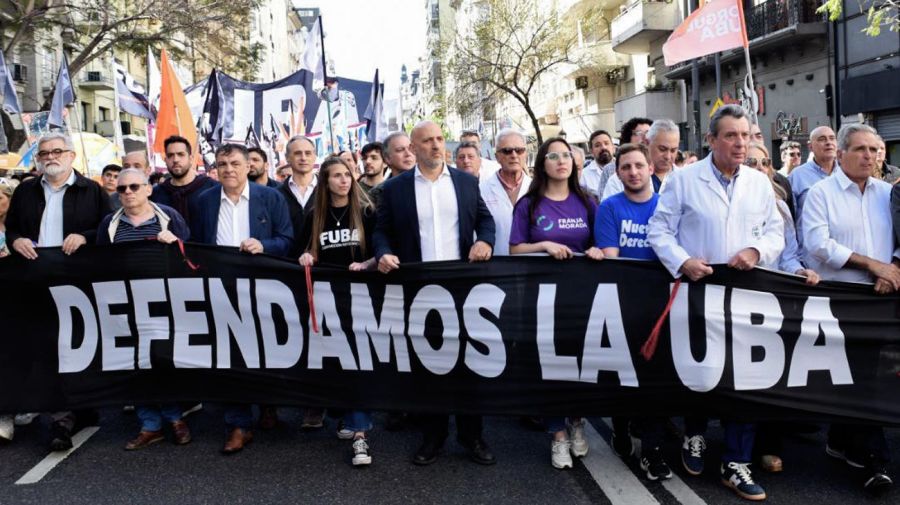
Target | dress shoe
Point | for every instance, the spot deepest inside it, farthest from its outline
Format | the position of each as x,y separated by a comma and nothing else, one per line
479,452
144,439
268,417
60,437
427,453
237,439
182,432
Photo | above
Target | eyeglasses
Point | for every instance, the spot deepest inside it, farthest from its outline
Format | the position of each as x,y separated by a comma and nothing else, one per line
133,187
755,162
56,153
509,150
564,155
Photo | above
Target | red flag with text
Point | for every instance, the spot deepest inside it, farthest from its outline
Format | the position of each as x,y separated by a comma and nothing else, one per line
717,26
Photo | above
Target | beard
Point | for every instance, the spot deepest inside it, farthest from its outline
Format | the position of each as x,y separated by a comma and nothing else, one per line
53,170
604,158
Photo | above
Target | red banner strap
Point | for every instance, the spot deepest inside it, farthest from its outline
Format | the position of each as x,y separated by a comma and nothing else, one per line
649,347
309,298
187,260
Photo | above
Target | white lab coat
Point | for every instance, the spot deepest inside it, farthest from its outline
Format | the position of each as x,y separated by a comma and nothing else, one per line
495,197
695,219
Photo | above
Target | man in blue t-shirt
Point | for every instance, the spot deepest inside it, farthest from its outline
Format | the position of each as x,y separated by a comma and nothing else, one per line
620,228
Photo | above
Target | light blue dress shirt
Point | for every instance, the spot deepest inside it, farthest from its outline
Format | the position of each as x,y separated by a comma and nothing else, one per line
51,234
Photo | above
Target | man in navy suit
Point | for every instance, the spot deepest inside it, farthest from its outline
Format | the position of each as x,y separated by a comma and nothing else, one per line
245,215
432,213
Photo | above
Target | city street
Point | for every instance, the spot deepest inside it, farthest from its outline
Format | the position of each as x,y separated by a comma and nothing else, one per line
286,465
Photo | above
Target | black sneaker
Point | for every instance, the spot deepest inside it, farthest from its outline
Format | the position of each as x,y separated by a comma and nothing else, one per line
653,463
877,481
692,451
60,437
622,445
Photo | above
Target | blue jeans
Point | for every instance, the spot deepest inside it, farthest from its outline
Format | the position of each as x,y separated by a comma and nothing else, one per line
739,438
238,415
555,424
358,420
151,416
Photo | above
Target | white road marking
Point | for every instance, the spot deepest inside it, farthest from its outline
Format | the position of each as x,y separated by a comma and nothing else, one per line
54,458
615,479
681,491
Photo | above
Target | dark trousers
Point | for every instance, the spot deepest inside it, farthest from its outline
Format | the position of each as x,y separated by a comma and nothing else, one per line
862,444
739,437
435,427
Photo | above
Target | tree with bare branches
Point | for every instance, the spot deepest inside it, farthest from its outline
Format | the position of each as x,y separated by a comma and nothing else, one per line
92,28
506,52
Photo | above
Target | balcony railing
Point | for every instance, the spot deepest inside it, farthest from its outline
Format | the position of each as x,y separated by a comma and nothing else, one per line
774,15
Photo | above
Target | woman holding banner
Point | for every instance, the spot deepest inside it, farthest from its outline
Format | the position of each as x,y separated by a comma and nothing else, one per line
338,232
556,217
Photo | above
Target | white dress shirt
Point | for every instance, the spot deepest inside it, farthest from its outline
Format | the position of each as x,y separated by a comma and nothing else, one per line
497,200
489,167
590,178
438,213
51,231
234,219
299,194
838,220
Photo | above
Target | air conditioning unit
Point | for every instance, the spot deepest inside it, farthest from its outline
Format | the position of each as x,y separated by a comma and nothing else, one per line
581,82
19,72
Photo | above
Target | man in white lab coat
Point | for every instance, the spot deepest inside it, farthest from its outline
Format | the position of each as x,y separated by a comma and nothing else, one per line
502,189
719,211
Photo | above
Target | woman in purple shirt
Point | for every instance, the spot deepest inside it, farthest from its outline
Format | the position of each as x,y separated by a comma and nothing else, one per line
556,217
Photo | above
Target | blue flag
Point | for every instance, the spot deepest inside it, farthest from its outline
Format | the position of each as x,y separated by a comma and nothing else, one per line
132,99
10,98
63,95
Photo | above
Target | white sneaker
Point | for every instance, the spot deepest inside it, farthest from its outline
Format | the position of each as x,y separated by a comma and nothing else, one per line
26,419
344,433
361,454
7,428
576,435
560,455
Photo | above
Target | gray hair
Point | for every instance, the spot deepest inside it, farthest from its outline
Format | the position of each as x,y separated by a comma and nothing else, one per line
134,171
466,145
848,130
56,135
662,126
730,110
390,138
506,132
296,138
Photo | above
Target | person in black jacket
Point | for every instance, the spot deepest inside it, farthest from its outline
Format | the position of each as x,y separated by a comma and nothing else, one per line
185,185
299,189
60,208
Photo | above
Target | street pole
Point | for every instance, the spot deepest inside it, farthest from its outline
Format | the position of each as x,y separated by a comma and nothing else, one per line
695,96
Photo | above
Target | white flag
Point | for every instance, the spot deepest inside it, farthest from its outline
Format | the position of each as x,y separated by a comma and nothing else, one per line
313,59
154,80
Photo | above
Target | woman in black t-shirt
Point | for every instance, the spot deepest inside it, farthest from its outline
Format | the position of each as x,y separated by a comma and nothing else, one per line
338,232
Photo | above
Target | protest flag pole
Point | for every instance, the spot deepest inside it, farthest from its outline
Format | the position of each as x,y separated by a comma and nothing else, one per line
746,43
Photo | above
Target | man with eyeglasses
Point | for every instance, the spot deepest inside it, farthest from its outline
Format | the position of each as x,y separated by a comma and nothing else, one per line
502,190
59,208
634,131
790,157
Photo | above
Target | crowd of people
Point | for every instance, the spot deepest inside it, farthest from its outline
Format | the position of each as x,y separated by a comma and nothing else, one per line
399,201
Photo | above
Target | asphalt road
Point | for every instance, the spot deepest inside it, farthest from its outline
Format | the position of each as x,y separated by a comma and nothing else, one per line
287,465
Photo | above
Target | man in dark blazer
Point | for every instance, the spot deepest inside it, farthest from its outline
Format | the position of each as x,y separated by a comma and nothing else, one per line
300,188
61,208
245,215
432,213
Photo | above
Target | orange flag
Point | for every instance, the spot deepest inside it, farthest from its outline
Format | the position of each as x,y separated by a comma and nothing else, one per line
717,26
174,116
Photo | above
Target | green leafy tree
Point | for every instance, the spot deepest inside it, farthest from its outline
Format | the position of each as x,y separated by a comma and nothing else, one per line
880,14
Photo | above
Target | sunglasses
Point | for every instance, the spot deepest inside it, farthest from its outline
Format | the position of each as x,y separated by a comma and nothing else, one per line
509,150
755,162
564,155
125,187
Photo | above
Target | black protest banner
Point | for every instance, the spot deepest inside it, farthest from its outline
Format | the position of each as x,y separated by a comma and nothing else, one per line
132,323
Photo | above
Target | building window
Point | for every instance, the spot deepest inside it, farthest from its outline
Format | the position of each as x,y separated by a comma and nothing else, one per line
85,110
104,114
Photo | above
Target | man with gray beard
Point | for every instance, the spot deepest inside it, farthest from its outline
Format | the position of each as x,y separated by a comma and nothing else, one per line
60,208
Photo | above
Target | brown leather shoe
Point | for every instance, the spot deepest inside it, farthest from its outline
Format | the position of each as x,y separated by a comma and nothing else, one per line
268,418
144,439
182,432
237,439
